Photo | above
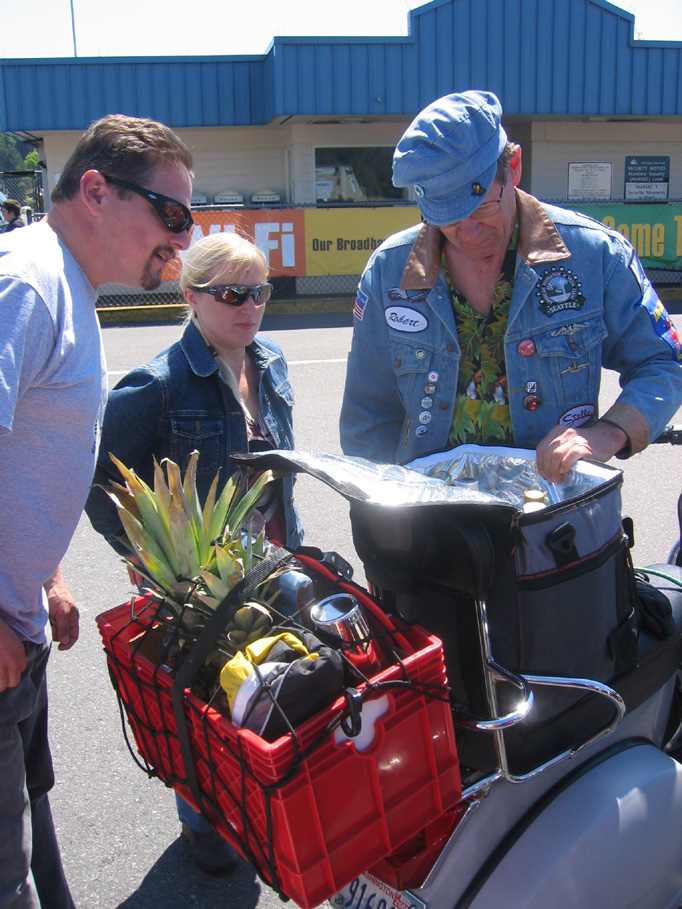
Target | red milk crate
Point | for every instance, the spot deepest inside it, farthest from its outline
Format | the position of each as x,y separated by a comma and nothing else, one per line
312,810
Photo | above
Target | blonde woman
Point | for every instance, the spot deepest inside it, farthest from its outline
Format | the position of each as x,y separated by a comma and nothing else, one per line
219,389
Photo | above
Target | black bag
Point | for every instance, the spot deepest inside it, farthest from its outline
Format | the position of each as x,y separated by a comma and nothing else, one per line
294,678
574,591
560,597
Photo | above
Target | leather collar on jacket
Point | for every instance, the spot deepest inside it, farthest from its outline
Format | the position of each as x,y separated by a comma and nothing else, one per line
539,241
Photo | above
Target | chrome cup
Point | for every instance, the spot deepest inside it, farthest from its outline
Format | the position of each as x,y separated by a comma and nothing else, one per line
340,616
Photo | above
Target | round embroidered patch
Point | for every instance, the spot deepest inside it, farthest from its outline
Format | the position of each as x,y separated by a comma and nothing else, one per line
559,290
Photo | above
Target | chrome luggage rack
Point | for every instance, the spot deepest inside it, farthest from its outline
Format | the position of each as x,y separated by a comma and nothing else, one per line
497,723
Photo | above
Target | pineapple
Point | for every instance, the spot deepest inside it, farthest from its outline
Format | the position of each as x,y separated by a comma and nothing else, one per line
192,556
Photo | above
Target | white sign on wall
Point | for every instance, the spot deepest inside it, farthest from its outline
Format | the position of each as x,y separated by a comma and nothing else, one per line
590,180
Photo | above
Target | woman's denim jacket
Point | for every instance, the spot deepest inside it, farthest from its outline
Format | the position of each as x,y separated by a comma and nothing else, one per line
580,301
179,402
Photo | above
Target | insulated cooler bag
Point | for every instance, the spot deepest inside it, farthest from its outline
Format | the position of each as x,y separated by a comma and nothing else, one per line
558,585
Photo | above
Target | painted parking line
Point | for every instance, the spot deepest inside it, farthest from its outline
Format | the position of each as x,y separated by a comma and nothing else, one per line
124,372
308,362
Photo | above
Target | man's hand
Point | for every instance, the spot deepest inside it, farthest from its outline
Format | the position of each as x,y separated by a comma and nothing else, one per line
562,447
12,657
63,611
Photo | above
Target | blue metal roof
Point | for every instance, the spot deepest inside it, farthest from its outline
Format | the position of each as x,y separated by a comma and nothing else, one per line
542,57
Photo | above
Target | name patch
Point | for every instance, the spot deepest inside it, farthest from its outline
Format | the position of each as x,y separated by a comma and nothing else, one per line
577,416
402,318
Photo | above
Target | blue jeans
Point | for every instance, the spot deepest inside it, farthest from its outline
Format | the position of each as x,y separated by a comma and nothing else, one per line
187,815
31,873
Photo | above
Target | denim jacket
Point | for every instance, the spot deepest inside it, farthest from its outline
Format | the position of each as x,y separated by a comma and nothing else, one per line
581,301
179,402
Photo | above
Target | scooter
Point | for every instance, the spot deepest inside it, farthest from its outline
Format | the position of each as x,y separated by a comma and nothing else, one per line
571,786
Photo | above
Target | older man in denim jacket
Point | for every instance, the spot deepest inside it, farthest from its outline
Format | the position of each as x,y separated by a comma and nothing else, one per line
491,321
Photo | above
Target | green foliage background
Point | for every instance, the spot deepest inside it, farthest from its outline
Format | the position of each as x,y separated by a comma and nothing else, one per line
16,155
13,153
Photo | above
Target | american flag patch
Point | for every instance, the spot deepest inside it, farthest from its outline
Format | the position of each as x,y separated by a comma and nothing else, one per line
360,301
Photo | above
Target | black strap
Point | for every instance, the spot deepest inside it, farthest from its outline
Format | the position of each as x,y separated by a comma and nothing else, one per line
202,647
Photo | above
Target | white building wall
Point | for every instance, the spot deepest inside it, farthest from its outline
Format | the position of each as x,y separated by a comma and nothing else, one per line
281,157
244,160
57,147
556,145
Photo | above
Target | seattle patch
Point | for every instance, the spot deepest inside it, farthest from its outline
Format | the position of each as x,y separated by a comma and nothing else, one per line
402,318
559,290
577,416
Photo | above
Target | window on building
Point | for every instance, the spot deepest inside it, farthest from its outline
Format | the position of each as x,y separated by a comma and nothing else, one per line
355,175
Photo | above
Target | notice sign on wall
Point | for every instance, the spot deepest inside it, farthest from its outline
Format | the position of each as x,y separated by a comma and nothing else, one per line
646,177
589,180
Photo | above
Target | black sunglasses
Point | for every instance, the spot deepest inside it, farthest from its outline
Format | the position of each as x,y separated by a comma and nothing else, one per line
174,214
236,294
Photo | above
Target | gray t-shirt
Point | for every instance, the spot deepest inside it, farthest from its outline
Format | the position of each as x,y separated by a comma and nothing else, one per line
52,397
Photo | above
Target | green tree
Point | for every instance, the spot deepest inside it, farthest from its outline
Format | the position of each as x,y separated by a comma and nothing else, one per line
10,156
32,160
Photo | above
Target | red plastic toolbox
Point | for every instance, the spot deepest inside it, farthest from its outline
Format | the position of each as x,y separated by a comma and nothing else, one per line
312,810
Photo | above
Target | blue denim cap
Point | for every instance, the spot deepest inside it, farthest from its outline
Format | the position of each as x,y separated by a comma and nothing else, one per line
449,153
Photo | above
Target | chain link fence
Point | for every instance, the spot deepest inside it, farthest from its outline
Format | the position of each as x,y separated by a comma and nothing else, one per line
665,277
324,291
26,186
332,288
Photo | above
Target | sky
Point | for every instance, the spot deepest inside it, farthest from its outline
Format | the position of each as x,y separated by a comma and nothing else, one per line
135,28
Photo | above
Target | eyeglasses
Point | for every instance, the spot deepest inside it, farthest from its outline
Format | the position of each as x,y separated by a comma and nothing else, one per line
236,294
488,209
174,214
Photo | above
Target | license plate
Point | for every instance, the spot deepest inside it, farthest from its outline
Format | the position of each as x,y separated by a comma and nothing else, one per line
368,892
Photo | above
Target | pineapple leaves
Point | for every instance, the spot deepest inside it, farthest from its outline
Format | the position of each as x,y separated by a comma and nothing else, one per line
191,555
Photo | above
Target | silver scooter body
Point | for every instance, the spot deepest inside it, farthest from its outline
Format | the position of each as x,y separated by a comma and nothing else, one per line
601,830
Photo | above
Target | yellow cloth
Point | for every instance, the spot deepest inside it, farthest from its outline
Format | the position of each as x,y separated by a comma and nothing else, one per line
240,667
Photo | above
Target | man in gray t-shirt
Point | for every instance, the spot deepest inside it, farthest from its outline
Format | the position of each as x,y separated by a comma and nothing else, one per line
119,213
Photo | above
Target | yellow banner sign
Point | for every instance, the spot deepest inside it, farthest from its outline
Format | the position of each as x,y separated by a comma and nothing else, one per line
340,241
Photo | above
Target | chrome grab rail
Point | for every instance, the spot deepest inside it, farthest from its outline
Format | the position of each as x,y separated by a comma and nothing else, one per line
509,719
493,674
588,686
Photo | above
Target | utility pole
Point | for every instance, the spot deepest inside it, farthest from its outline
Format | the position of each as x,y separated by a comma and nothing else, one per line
73,31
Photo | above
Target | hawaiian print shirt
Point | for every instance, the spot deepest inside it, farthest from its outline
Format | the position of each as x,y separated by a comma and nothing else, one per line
481,415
